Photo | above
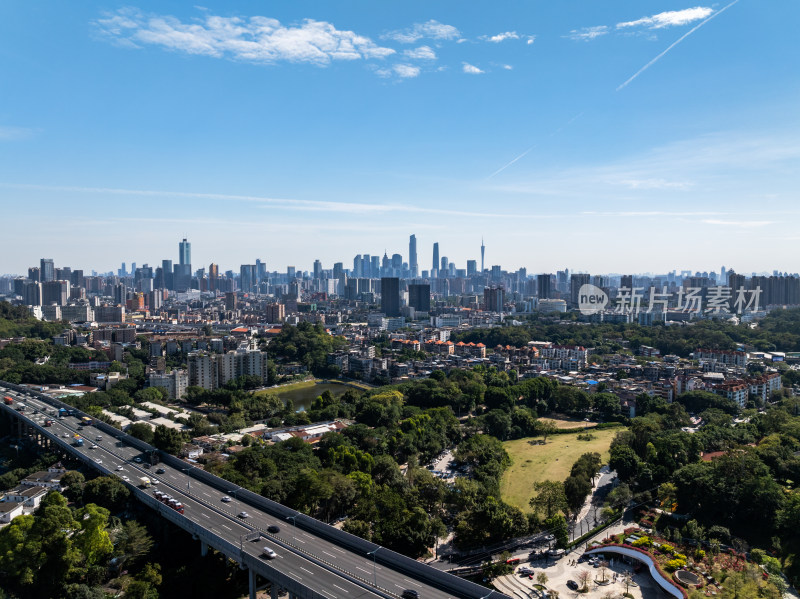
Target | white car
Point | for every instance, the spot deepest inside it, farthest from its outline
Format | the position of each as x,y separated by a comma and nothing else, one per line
65,435
225,499
269,553
93,446
126,479
99,461
243,515
120,468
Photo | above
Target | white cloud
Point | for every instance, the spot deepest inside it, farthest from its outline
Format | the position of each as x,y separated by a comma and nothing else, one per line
531,39
421,53
654,184
739,223
670,18
471,69
16,133
587,34
508,67
430,29
406,70
500,37
255,39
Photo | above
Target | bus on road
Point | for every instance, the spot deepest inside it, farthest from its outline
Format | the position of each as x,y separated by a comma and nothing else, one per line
86,421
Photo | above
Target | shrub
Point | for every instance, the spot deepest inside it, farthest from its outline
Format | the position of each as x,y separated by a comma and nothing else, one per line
674,564
643,542
667,549
699,554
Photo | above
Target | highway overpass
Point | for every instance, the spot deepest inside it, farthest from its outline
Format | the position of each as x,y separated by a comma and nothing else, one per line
314,560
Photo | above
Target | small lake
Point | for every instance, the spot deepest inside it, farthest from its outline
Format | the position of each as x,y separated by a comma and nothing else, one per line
304,396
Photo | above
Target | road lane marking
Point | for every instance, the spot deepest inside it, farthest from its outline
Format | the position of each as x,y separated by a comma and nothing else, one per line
326,553
363,570
307,570
226,526
340,588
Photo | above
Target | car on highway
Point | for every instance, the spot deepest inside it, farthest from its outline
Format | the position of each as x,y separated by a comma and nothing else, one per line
65,435
137,460
225,499
409,594
243,515
126,479
99,461
269,553
572,585
146,466
93,446
273,528
160,471
98,438
120,468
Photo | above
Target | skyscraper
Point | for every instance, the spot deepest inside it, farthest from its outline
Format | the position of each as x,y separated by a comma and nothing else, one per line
185,252
47,270
419,296
544,286
213,276
390,296
436,256
483,254
412,255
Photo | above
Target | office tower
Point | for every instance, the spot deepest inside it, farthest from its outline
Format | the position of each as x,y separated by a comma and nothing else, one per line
412,255
317,269
213,276
120,293
375,267
230,301
247,277
435,257
497,272
483,255
493,299
543,286
47,270
77,279
576,282
55,292
472,267
133,269
185,252
390,296
723,276
419,296
122,271
261,271
386,264
291,273
445,265
169,276
338,270
357,266
35,274
397,262
181,276
32,293
63,274
366,266
626,281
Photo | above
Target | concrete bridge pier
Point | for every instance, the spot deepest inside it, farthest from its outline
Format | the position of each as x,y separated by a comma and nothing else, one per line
273,591
251,575
203,548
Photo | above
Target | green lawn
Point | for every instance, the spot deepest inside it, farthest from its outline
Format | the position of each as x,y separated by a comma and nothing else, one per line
553,461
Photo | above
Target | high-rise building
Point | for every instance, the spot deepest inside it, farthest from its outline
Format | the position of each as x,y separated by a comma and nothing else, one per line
317,269
390,296
577,281
483,255
47,270
185,252
445,266
543,286
247,277
169,275
435,257
472,267
626,281
35,274
213,276
412,255
419,296
493,299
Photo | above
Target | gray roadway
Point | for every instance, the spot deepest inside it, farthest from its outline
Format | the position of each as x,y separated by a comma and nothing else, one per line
203,505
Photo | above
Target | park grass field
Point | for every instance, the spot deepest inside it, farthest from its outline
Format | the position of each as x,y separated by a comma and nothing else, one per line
568,424
533,463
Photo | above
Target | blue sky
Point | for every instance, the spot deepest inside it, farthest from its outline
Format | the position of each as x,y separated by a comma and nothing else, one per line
289,131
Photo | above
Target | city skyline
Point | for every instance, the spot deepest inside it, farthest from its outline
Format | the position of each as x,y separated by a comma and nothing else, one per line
663,132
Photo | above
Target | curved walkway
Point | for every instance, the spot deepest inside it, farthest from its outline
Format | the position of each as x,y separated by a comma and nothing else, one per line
668,586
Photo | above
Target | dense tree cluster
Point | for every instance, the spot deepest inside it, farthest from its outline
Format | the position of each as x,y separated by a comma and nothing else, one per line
308,344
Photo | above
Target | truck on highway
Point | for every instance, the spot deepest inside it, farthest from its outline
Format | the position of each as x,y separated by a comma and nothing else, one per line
48,422
86,421
144,482
62,412
168,500
8,400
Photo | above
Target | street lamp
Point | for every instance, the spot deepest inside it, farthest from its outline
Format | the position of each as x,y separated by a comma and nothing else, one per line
374,569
